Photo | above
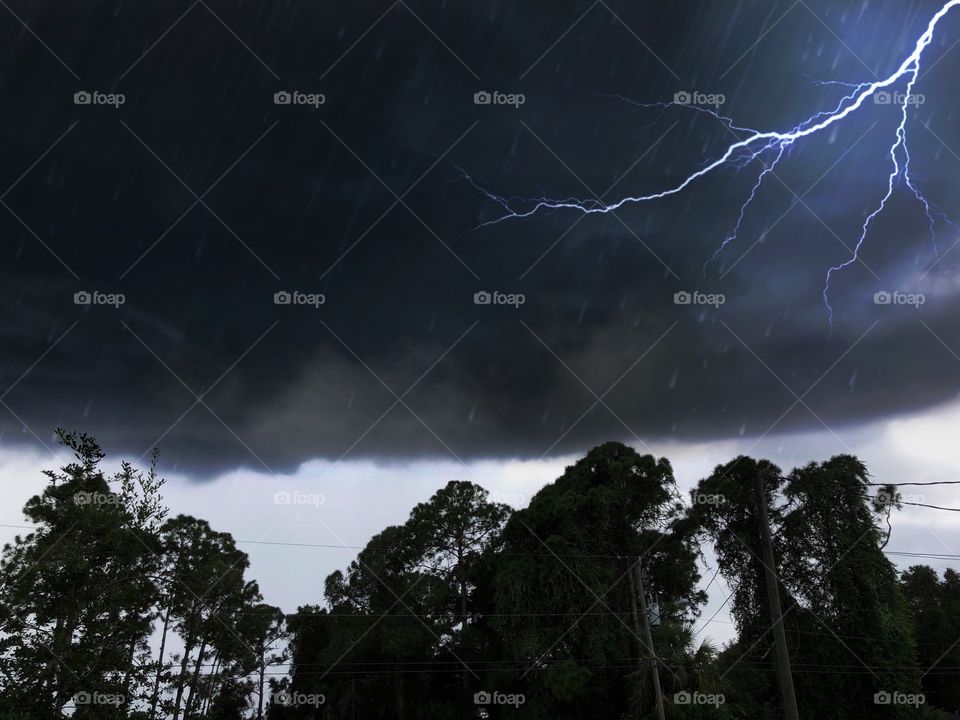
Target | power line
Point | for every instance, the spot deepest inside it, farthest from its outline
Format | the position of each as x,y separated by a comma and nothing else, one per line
924,555
932,556
917,484
827,670
870,497
625,556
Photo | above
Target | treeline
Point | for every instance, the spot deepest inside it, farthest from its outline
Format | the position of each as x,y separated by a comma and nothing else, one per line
567,608
81,596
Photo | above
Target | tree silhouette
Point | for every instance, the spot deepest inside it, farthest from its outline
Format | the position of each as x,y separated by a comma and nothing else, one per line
468,600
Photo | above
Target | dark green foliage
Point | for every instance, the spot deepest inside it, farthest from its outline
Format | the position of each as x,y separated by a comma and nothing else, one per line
848,628
405,620
935,609
835,567
81,594
564,585
77,592
466,597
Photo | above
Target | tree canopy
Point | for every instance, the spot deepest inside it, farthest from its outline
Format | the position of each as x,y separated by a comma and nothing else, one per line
470,608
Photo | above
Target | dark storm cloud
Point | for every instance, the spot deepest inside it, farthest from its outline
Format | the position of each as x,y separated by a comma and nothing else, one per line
400,361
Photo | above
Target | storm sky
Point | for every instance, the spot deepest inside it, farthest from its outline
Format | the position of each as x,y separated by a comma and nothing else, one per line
199,198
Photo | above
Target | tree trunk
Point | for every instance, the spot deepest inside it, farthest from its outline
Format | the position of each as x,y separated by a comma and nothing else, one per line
195,682
188,648
463,603
156,684
61,643
399,687
131,660
212,684
263,671
53,669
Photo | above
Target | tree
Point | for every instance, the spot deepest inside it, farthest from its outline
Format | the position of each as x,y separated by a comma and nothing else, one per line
837,570
403,615
935,609
562,588
849,634
388,612
265,626
77,592
449,534
204,599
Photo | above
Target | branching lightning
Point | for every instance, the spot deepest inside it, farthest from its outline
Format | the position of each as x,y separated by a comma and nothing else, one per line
775,144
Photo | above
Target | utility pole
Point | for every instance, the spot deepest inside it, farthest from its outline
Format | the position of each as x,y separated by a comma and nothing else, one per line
654,671
776,615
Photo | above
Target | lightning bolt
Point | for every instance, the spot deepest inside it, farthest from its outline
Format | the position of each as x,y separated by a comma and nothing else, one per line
767,170
756,144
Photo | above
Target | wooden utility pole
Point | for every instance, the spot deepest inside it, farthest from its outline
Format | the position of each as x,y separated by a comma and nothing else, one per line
644,626
784,675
